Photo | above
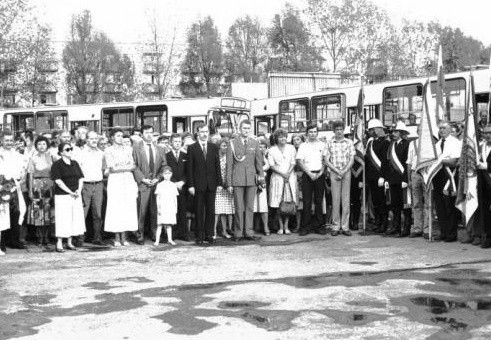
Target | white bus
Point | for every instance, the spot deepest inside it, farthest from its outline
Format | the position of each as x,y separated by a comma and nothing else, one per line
223,115
389,102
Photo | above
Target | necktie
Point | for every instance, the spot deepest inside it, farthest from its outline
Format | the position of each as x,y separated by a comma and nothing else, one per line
245,142
442,145
204,149
151,163
177,155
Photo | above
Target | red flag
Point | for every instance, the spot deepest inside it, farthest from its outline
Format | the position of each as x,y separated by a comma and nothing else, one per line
467,200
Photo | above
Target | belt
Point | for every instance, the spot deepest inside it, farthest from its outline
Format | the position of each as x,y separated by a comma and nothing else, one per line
315,171
93,183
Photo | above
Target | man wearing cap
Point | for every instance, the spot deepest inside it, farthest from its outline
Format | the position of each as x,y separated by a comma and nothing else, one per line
375,163
339,158
396,176
449,151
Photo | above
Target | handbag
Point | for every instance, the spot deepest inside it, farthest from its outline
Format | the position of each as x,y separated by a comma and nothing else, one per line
287,208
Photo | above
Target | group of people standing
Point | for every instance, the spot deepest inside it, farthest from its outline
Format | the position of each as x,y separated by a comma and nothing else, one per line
136,188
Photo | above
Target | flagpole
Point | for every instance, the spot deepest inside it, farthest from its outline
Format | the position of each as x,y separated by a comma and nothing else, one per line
430,212
364,201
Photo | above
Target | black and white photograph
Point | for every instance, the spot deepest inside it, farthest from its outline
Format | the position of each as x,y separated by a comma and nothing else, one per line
303,169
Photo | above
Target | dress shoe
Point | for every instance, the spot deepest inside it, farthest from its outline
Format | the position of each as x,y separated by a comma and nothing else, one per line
391,232
98,243
414,235
346,233
60,250
451,239
140,242
476,241
199,242
2,248
17,245
303,232
235,239
426,236
334,233
252,238
210,240
71,247
485,244
321,231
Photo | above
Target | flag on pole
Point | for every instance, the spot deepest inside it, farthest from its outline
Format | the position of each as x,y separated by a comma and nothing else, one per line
427,162
467,200
358,136
440,89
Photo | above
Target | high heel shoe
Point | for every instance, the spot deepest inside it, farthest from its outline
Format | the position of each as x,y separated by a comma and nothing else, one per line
71,247
60,250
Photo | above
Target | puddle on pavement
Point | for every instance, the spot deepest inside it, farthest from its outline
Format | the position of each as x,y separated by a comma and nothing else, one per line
364,263
136,279
242,304
451,322
440,306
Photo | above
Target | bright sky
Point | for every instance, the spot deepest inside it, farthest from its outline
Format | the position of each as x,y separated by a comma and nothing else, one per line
125,21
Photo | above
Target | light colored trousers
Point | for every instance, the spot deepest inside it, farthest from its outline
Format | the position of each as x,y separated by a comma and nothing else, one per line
340,191
420,204
244,205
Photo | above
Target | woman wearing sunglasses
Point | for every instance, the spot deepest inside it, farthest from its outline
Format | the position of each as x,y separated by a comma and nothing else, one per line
68,177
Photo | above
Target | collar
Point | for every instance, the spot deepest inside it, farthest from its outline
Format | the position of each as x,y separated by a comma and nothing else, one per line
339,140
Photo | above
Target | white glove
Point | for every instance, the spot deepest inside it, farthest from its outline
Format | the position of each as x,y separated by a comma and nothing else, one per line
360,184
381,181
404,185
386,185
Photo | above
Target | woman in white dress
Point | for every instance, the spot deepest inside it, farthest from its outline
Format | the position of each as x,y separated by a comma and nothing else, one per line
122,191
69,211
283,184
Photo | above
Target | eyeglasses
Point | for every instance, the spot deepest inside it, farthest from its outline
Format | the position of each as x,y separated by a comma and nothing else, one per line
68,149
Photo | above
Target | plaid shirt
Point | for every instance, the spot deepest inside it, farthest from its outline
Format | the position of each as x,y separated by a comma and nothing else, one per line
340,153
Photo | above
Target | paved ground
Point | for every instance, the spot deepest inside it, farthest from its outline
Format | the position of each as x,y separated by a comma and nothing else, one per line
284,287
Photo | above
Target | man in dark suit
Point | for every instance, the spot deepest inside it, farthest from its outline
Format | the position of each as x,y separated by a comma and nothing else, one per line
244,162
149,161
484,191
203,178
177,160
396,175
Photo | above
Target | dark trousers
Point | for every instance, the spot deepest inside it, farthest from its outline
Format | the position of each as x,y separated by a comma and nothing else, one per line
10,237
92,198
205,214
316,188
447,215
484,226
181,226
355,202
147,208
396,205
379,204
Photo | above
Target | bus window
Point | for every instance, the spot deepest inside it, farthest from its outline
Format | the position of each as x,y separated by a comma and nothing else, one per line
403,103
92,125
327,109
454,98
154,115
46,121
122,117
293,114
19,122
195,123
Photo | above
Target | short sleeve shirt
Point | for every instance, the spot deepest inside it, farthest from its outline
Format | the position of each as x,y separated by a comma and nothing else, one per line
70,174
340,153
311,154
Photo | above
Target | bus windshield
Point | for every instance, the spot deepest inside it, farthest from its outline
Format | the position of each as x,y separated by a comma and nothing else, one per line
226,122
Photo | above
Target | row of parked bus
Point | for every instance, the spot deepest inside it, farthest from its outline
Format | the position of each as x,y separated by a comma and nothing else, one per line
389,102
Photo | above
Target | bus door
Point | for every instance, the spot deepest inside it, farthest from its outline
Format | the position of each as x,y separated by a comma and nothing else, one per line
403,103
18,122
369,112
47,121
264,125
180,124
454,98
121,117
154,115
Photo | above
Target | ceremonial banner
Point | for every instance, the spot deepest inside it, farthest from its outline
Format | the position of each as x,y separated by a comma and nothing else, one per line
358,136
427,163
467,200
440,90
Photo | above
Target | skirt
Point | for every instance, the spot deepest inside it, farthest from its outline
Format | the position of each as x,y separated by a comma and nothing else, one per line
40,211
69,216
224,202
261,201
277,190
4,216
121,211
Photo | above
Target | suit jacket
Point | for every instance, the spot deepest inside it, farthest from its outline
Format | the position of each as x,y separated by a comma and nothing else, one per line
391,174
203,174
243,173
142,169
178,165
